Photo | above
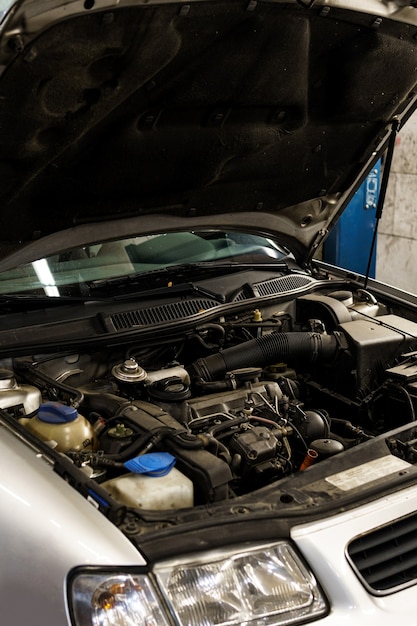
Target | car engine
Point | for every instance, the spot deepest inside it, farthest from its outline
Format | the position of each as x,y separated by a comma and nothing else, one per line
235,404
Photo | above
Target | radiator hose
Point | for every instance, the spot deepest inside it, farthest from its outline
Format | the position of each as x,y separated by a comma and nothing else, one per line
298,348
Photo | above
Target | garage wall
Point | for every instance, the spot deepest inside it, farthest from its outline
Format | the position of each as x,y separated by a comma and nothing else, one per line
396,257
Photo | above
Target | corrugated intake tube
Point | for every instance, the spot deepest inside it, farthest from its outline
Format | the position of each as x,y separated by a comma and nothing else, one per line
292,348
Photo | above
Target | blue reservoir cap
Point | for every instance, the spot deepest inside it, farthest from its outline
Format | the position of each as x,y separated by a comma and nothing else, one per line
152,464
56,413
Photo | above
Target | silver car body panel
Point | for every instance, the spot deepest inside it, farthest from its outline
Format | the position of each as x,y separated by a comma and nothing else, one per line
69,531
324,543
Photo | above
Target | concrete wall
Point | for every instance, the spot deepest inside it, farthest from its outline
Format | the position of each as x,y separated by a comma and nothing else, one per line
396,257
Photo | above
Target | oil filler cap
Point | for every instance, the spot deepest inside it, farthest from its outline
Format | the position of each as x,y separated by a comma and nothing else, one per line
151,464
56,413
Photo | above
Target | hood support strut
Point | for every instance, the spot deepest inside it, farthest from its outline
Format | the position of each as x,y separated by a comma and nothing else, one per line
383,191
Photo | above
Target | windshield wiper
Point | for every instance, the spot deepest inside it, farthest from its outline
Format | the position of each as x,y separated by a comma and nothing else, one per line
164,281
168,290
172,277
22,301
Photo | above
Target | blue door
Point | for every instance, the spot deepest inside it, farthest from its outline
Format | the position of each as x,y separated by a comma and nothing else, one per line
349,243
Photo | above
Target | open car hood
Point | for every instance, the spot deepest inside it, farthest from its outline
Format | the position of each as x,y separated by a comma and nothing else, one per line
250,112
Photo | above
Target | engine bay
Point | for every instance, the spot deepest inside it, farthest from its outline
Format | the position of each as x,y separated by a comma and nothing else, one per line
238,403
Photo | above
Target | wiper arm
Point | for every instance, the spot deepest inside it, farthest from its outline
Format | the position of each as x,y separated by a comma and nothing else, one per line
18,301
160,276
180,288
170,280
167,276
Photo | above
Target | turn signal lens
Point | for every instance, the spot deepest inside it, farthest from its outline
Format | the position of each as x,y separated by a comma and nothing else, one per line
115,600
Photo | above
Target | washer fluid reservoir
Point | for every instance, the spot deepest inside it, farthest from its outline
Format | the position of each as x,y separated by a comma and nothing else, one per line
61,425
153,491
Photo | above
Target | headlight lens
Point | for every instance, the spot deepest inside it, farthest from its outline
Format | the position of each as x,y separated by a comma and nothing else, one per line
266,586
100,599
262,586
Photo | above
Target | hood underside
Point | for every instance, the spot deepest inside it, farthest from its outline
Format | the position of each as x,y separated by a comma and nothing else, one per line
196,109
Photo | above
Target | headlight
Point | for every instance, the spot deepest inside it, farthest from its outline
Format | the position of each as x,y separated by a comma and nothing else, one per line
266,586
262,586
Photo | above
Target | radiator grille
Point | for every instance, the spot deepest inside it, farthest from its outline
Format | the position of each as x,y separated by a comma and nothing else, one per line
157,314
386,559
283,284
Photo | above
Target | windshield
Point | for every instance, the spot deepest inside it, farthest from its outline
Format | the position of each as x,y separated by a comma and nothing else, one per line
67,273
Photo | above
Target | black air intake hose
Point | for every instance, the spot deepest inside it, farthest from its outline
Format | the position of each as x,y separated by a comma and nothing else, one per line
292,348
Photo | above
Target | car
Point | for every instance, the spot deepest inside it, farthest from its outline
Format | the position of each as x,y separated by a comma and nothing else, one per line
202,422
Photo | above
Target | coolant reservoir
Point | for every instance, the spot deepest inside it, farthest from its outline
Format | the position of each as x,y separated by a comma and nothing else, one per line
22,398
62,425
158,493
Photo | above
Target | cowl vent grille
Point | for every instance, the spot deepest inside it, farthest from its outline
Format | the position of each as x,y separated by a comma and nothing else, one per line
173,311
283,284
386,559
156,314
